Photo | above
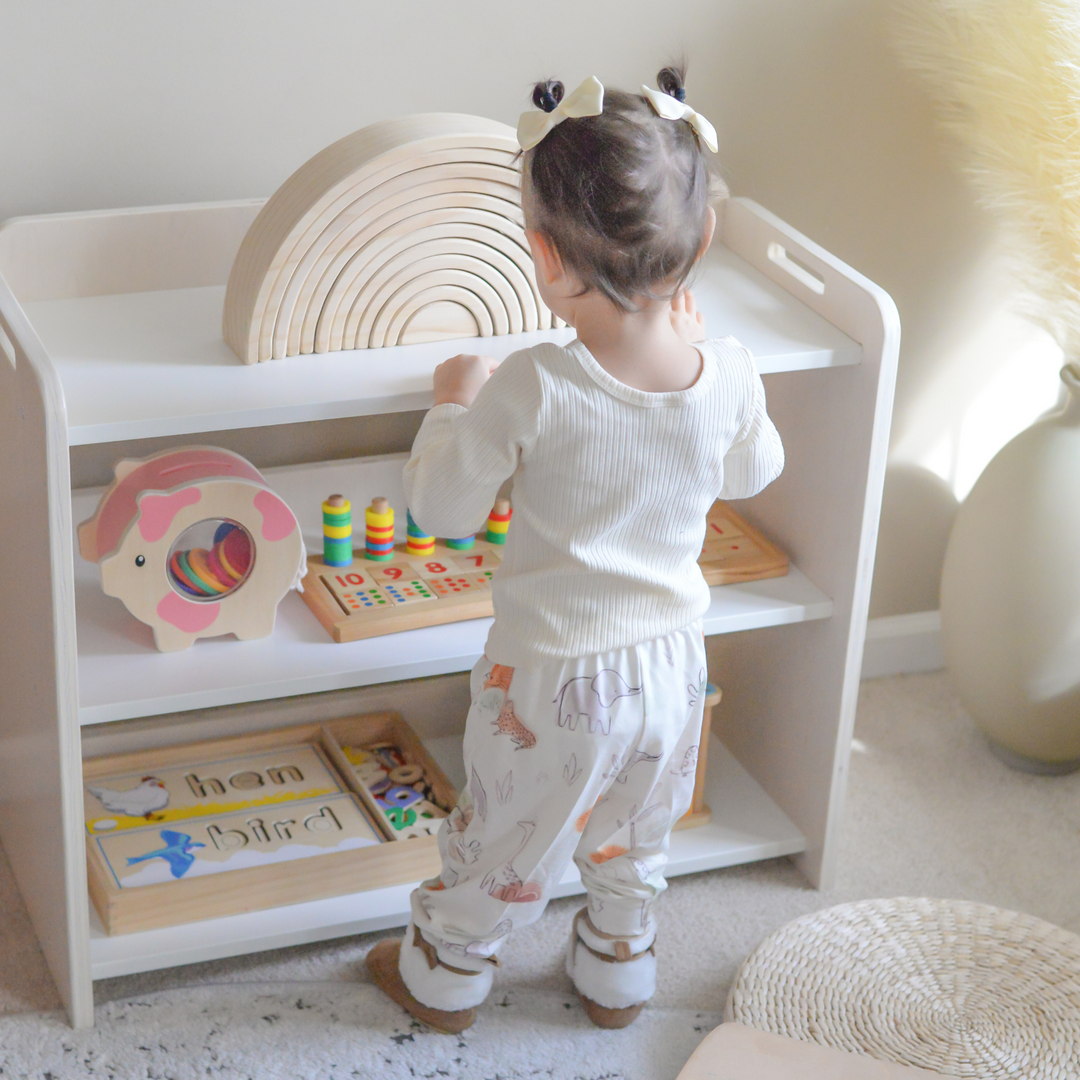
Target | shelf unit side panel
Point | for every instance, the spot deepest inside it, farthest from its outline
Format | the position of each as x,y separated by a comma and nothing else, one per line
40,756
801,689
98,253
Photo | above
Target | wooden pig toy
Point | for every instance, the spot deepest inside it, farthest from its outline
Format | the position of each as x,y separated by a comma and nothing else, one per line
195,544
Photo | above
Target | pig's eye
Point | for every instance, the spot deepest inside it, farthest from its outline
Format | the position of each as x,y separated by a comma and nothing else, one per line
140,560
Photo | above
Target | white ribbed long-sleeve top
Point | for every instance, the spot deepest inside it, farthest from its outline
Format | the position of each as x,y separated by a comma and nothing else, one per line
611,488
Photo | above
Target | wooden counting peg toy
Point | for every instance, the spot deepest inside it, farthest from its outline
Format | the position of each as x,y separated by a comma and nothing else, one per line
427,581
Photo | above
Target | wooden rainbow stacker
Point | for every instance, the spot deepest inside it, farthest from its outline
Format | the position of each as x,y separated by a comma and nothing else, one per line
404,592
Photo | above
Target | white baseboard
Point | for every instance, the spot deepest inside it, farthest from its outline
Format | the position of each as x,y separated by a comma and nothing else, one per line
903,644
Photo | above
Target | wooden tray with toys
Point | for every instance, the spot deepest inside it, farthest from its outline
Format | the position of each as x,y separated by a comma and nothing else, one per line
183,833
385,587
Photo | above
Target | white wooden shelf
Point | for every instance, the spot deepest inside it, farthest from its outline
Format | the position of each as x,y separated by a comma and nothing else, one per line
746,826
122,675
86,357
148,364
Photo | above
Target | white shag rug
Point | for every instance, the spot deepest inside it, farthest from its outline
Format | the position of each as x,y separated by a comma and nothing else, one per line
336,1031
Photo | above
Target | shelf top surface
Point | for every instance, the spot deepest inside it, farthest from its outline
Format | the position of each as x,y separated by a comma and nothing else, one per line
139,365
122,675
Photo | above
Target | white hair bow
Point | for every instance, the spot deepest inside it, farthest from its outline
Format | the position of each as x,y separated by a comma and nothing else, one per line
672,109
586,100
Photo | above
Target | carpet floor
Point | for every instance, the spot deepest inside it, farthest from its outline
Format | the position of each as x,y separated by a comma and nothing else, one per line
930,812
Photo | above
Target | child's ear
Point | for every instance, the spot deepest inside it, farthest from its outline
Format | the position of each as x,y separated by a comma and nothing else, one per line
710,228
548,264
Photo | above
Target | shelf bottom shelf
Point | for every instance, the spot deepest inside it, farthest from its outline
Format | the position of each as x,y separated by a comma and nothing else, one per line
746,826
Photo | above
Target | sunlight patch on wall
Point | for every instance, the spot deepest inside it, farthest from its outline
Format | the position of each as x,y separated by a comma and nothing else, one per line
1024,384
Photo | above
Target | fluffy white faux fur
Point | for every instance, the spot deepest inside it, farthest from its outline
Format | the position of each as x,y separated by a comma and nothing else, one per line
1005,75
439,988
615,986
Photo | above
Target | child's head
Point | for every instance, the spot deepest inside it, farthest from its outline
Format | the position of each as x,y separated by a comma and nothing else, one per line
622,197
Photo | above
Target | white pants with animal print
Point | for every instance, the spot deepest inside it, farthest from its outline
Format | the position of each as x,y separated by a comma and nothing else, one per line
591,759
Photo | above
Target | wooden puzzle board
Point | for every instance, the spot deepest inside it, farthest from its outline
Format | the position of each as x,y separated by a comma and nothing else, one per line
370,598
169,796
256,821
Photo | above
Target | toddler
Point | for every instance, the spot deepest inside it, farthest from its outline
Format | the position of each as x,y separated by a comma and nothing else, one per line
582,739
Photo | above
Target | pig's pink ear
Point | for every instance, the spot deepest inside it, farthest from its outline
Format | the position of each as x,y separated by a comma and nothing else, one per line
278,520
156,512
125,467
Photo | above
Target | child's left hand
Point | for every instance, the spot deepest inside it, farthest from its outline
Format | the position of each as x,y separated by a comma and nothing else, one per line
458,380
686,320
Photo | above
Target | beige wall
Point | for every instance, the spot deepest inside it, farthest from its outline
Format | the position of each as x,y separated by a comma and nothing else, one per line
124,102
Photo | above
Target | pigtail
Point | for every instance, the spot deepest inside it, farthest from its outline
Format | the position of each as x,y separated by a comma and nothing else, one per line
672,80
546,95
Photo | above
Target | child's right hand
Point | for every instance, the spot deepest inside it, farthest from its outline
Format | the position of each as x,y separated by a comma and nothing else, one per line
458,380
686,320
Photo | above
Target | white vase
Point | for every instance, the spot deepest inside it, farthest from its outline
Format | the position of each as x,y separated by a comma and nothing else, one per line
1010,594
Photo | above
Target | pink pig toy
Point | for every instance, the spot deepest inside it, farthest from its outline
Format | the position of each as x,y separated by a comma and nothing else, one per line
195,545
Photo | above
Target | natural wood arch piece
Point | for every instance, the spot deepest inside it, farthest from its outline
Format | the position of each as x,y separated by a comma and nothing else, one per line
410,229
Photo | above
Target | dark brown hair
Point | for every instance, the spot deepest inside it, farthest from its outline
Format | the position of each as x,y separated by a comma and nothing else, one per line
622,197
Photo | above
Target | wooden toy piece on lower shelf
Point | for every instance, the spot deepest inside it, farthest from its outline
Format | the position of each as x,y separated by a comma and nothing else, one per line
451,581
735,551
697,760
195,544
184,833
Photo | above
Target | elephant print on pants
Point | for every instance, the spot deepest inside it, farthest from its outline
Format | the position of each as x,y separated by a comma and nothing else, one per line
592,699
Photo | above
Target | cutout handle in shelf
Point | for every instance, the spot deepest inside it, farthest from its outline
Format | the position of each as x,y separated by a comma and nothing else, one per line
780,255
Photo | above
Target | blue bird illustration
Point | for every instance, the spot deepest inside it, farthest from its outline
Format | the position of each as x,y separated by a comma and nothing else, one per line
177,854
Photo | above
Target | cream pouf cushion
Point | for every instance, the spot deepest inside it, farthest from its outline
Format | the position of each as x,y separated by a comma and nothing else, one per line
954,987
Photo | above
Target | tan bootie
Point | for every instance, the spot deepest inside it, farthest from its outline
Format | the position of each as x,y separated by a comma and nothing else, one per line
604,966
611,1018
382,963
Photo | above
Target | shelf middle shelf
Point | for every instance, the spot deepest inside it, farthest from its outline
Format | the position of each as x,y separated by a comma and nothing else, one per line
122,675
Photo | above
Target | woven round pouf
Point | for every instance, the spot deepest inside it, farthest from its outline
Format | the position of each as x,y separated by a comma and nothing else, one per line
958,988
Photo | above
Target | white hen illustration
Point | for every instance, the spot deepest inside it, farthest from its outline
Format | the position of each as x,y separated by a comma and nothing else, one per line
140,801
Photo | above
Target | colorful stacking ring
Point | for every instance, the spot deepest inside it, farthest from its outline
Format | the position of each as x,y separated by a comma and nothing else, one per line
234,551
417,542
499,522
337,531
379,530
196,560
180,577
215,573
191,578
217,567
